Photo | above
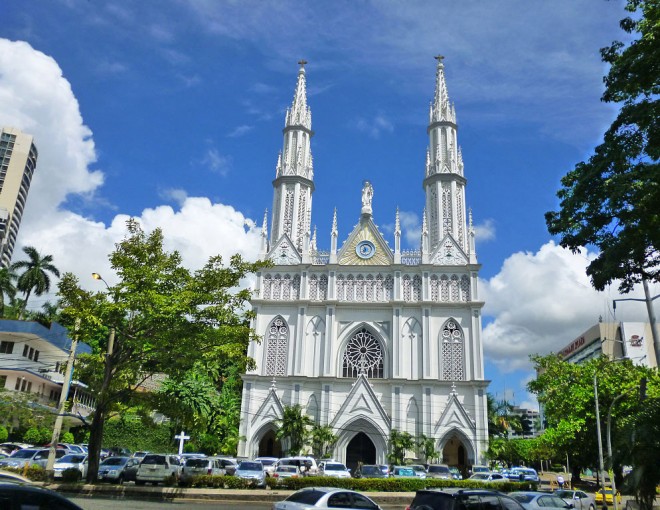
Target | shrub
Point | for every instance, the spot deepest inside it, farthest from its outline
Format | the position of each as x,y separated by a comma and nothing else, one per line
67,437
32,436
4,433
71,475
35,473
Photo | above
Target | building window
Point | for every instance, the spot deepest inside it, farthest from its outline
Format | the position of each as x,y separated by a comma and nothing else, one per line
452,352
26,349
6,347
3,381
363,355
277,346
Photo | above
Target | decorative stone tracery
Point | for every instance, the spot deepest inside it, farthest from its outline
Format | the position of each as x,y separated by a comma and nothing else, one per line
277,344
453,352
363,355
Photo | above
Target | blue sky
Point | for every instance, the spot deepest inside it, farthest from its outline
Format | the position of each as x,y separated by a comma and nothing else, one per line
171,111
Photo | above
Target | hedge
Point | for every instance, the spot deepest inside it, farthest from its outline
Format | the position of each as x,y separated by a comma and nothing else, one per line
34,473
359,484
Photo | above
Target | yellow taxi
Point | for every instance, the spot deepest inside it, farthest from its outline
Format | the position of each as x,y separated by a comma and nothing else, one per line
609,496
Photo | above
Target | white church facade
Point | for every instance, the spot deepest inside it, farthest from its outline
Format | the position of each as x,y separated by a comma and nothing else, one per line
366,338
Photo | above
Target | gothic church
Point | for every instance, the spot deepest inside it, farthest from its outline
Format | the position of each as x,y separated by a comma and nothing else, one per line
366,338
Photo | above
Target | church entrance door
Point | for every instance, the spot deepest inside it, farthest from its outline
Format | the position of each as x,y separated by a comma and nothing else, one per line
270,446
360,449
454,453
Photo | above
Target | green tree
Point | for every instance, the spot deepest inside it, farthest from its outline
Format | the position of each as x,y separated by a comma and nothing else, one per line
426,446
7,287
163,318
4,433
34,277
399,444
323,441
294,427
566,391
611,200
501,421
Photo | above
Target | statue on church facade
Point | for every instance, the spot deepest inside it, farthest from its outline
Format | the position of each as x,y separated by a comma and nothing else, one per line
367,197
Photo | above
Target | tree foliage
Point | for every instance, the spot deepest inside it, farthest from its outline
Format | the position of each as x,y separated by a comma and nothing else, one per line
323,441
612,200
164,319
566,391
501,420
426,446
35,276
294,428
399,444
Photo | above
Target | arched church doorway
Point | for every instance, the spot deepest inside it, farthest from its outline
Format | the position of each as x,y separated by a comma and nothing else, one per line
360,449
270,446
454,453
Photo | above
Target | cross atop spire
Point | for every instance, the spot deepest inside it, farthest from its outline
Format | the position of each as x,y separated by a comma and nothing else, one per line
299,114
440,108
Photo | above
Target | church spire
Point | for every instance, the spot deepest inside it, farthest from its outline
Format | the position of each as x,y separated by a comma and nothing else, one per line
294,180
444,182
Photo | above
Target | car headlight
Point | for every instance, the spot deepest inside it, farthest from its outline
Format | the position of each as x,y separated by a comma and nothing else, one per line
112,472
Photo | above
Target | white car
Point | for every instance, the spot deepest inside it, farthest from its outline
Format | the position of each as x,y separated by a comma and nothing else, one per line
489,477
251,471
306,465
335,470
269,464
157,468
322,498
71,461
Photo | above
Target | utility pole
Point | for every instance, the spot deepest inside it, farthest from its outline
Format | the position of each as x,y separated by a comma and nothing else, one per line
63,398
601,464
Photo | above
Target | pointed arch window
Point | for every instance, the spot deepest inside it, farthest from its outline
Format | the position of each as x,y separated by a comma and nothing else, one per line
453,352
277,345
363,355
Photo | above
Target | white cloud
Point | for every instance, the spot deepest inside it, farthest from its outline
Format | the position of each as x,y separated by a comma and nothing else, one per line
36,98
411,228
216,162
485,231
374,127
240,131
539,302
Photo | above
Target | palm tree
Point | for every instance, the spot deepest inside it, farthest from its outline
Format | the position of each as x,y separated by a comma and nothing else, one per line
294,427
7,287
35,275
323,440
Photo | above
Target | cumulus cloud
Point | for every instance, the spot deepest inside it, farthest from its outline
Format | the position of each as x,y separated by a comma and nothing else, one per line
484,231
36,98
539,302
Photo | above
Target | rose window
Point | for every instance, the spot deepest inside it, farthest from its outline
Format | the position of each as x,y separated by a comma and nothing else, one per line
363,355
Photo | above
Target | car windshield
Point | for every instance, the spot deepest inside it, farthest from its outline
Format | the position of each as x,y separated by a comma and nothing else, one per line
268,462
523,498
24,454
72,459
250,466
404,472
480,469
335,467
371,470
287,469
155,459
564,494
306,496
197,463
114,461
419,469
438,469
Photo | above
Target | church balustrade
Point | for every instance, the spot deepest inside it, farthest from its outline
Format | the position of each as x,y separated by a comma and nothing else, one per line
364,288
411,257
450,288
320,258
318,287
280,287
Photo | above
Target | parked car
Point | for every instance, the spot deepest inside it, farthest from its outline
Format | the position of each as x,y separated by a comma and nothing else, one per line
403,472
420,471
440,471
608,494
118,469
269,464
157,468
539,500
71,461
580,499
31,457
199,466
19,495
284,472
460,499
523,474
455,473
306,465
10,476
139,455
371,471
335,470
488,477
479,469
322,498
229,465
252,471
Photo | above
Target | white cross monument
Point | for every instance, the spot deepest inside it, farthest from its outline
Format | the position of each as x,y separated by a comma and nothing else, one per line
181,437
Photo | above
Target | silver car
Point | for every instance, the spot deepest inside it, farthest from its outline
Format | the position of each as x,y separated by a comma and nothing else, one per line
539,500
323,498
31,457
252,471
71,461
200,466
579,499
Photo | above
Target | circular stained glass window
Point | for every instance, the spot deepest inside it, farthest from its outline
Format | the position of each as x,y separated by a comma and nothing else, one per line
365,249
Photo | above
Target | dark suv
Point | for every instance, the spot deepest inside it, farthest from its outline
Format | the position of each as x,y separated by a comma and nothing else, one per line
462,499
